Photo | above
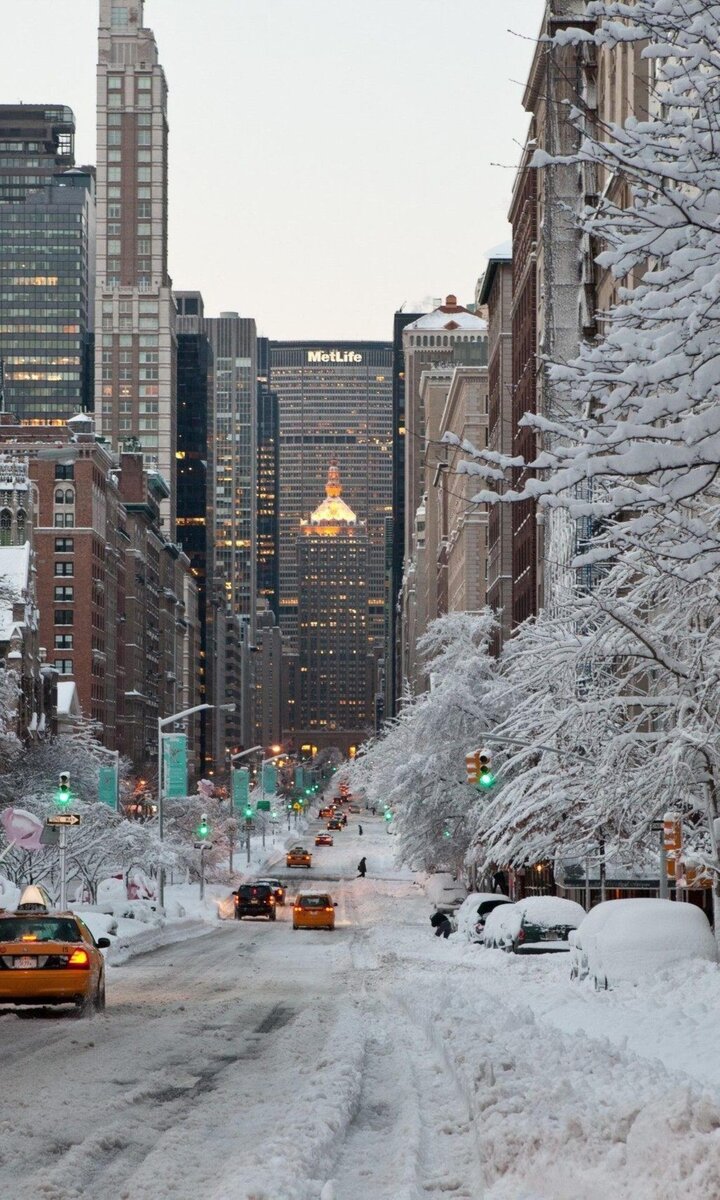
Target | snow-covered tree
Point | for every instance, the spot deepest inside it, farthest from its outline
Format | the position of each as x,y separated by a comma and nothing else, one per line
417,764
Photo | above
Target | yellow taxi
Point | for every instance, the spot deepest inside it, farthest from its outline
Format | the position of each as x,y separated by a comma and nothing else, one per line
49,957
314,910
298,856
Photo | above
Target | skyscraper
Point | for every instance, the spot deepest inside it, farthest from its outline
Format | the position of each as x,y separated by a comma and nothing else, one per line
37,142
234,457
268,469
334,398
135,347
47,264
332,575
47,283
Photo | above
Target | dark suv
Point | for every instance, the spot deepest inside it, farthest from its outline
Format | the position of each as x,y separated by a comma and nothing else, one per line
254,900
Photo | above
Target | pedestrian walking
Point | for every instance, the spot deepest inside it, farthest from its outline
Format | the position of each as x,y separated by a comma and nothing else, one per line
360,830
362,868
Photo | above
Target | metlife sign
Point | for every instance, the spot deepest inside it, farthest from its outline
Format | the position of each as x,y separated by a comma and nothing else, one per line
334,356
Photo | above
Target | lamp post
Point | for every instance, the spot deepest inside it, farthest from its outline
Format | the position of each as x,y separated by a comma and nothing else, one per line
162,722
233,759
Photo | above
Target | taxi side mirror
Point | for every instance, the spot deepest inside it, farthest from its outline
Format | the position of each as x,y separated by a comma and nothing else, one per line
335,904
103,943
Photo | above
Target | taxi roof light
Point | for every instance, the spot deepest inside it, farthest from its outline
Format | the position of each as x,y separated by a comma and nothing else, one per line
33,899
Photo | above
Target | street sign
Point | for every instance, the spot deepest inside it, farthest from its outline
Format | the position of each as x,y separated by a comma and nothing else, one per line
64,819
263,805
202,845
297,806
175,767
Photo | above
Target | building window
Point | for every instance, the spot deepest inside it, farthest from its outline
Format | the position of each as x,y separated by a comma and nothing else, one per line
64,520
64,568
63,641
20,520
64,616
119,15
65,470
5,527
64,545
64,595
63,666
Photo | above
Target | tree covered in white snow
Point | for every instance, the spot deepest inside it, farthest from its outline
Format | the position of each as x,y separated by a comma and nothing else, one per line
417,764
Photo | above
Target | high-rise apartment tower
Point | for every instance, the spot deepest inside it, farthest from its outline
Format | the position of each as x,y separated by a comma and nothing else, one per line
135,349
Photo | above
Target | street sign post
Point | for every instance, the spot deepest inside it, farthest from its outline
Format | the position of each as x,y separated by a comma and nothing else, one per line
63,820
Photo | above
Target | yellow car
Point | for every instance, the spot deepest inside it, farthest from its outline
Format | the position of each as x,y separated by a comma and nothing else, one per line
314,910
298,857
49,957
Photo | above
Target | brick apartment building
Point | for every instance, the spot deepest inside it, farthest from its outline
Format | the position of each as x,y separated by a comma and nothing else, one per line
117,599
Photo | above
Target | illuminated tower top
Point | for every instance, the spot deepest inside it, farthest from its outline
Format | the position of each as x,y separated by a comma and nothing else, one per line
333,515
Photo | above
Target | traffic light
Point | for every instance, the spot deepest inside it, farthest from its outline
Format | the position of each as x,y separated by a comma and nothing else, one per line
388,814
203,828
486,779
62,795
446,833
248,812
472,766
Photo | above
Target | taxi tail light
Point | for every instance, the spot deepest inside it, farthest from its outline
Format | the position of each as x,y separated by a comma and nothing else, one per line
79,958
329,908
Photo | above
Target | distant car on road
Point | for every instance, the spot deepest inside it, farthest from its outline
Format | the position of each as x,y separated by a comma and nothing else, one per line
254,900
535,925
278,887
354,808
335,824
323,839
298,856
49,958
624,941
314,910
326,812
474,912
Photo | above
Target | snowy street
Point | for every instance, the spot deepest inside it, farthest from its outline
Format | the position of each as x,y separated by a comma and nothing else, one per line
373,1063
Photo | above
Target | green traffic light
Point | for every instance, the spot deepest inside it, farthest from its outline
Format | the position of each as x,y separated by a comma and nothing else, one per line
62,797
446,833
388,815
248,812
487,779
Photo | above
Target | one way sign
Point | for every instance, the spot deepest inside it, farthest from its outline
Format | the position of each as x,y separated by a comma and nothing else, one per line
64,819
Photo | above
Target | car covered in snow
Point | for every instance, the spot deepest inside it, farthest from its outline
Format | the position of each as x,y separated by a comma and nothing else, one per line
472,914
624,941
535,925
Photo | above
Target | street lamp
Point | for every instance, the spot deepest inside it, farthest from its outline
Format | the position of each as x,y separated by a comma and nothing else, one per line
162,722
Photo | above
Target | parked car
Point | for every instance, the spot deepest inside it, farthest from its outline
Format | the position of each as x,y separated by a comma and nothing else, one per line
535,925
474,911
623,941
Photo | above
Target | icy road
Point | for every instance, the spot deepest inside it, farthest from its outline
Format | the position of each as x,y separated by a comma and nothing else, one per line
372,1063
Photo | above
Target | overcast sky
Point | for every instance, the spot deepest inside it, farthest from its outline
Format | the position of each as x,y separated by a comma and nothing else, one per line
330,160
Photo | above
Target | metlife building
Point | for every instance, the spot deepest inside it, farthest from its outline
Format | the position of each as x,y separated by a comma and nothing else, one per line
334,403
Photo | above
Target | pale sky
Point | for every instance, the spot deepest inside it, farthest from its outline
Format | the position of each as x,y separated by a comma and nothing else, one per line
330,160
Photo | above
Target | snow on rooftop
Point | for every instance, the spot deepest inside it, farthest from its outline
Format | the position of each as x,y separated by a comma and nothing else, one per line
14,580
450,319
501,251
68,704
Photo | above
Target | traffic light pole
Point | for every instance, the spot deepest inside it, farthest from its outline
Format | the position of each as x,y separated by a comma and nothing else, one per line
202,873
62,847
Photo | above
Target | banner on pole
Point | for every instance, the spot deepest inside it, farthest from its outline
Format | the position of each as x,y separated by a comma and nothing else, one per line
108,785
240,787
269,779
175,767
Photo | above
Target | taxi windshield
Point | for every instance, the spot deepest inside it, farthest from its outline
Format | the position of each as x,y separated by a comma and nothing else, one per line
39,929
314,901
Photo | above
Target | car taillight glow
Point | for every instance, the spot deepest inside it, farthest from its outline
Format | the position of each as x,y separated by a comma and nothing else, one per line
79,958
329,908
521,936
271,899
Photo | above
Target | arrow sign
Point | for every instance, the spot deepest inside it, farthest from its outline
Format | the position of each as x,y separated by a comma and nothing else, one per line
64,819
202,845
